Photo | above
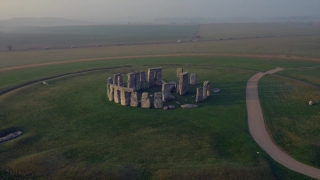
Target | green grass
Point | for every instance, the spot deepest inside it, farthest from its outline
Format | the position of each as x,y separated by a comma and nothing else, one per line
17,77
292,123
71,130
310,75
66,36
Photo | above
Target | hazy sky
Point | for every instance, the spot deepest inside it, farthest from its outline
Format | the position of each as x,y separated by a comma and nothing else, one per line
149,9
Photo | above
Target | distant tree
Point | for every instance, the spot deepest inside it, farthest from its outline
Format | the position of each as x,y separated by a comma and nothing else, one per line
9,48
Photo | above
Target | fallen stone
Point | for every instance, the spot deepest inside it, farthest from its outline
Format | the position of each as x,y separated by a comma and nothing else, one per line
10,136
177,102
165,108
172,106
188,106
215,90
166,92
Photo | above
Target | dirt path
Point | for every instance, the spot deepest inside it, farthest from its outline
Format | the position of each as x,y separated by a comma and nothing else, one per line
259,132
160,55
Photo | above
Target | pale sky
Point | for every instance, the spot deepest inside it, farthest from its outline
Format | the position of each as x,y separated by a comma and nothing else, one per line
149,9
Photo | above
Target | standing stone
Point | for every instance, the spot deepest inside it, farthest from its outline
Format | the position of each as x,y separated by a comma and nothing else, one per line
206,90
115,79
158,100
193,79
145,101
183,83
134,102
143,77
110,90
199,96
117,97
120,80
166,92
131,80
151,78
125,98
158,78
178,72
138,81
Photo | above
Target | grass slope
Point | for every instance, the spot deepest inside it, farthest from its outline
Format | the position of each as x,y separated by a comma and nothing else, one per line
71,131
292,123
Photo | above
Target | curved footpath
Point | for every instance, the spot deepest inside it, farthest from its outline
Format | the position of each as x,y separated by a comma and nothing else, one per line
259,132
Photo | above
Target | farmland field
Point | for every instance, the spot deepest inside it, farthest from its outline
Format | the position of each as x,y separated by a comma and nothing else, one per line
257,30
71,131
67,36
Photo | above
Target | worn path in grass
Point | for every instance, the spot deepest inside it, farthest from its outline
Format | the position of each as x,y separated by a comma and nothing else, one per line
259,132
161,55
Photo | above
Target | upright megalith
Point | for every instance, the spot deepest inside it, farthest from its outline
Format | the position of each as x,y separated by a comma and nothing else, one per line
116,96
151,78
178,72
145,101
131,83
206,90
199,95
125,97
109,89
166,92
157,102
134,102
183,83
143,77
155,76
118,79
193,79
137,81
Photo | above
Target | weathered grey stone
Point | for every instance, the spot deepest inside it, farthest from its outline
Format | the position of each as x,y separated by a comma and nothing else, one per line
131,80
151,78
165,108
188,106
193,79
125,98
310,103
134,102
10,136
109,94
138,81
143,77
206,90
115,79
216,90
159,78
157,102
178,72
183,83
177,102
172,106
199,95
166,92
174,85
117,98
120,80
145,101
155,76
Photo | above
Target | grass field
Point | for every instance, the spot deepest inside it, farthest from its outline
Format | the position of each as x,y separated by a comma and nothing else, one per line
292,123
71,130
67,36
256,30
101,139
